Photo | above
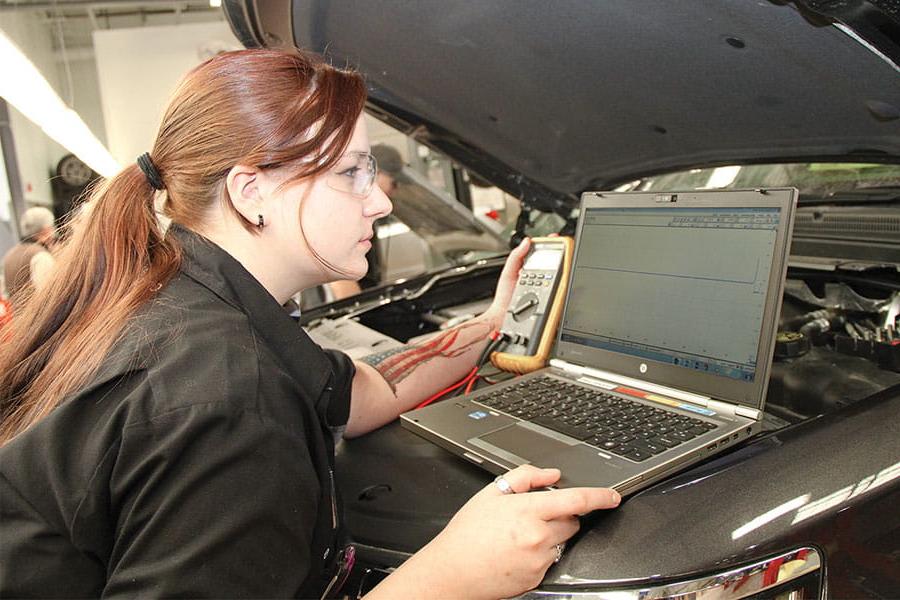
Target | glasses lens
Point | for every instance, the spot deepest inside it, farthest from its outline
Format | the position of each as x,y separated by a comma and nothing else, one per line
354,174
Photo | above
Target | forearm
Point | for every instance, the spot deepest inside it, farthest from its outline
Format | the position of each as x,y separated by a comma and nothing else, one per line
426,574
384,388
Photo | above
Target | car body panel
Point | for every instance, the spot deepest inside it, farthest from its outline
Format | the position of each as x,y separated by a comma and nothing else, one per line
568,97
829,482
793,486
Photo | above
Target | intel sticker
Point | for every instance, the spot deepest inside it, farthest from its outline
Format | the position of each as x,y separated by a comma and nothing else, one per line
477,415
697,409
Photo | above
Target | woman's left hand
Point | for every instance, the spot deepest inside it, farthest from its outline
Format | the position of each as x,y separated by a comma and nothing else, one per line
507,283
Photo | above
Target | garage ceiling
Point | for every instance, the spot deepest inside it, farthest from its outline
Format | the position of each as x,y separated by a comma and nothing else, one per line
74,21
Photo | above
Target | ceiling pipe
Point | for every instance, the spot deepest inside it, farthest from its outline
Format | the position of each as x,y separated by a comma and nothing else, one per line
104,5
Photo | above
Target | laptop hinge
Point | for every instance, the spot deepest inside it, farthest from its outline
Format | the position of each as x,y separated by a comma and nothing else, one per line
750,413
722,408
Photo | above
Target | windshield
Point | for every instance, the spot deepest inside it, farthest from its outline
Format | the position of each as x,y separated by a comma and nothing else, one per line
817,182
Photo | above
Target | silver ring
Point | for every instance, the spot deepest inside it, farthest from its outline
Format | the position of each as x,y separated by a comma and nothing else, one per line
559,552
503,484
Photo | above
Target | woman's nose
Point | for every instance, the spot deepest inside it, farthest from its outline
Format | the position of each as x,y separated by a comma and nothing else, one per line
378,204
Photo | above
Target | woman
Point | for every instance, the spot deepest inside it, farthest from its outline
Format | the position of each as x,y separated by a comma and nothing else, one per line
169,431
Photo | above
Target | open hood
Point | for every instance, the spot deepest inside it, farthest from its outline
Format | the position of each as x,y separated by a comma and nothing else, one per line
548,99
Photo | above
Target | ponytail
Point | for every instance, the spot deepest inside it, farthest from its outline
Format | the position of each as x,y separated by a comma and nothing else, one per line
114,261
269,108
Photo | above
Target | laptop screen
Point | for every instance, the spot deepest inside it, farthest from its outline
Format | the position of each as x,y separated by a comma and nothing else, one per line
686,286
681,286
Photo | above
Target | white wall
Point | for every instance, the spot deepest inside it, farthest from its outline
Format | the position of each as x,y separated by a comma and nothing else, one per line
7,230
85,95
139,69
37,154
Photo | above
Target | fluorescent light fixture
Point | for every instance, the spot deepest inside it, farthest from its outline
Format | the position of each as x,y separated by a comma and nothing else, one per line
5,197
23,86
215,3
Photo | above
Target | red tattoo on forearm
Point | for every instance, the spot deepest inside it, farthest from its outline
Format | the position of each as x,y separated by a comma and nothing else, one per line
397,366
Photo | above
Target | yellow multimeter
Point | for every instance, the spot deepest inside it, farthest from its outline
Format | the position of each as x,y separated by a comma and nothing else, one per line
536,306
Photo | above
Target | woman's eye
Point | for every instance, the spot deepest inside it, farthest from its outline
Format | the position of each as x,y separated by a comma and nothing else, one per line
351,172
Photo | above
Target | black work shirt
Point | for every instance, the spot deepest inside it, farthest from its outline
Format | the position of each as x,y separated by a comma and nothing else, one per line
198,462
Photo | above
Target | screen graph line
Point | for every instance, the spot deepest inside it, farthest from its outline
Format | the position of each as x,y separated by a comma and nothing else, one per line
678,276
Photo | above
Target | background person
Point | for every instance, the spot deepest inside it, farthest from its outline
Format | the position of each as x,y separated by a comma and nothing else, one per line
390,167
29,262
168,430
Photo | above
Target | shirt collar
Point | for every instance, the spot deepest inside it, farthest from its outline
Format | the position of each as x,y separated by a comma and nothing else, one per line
215,269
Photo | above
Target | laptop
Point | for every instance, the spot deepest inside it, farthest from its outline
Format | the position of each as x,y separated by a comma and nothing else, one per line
663,353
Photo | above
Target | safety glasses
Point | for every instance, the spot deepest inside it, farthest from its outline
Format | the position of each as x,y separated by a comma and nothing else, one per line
354,173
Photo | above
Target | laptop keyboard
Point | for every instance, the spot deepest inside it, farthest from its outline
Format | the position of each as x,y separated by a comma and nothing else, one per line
609,422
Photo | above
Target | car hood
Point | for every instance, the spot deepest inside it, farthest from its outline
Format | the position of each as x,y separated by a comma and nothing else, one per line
547,100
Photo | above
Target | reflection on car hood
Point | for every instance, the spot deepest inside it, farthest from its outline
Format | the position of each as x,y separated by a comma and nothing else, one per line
547,100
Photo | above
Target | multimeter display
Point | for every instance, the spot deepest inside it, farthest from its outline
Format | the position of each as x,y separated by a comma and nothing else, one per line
543,259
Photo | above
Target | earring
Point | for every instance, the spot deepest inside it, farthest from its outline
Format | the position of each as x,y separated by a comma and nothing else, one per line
261,223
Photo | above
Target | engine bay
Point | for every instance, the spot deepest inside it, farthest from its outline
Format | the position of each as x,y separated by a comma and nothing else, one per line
838,340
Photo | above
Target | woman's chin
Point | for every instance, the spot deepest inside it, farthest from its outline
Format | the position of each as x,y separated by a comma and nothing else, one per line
356,272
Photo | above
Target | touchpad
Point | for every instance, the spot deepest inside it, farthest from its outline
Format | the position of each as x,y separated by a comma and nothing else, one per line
526,443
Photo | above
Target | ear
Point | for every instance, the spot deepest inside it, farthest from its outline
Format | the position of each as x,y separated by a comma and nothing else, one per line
243,187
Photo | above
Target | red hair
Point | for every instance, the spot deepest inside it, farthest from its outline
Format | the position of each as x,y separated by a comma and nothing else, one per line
268,108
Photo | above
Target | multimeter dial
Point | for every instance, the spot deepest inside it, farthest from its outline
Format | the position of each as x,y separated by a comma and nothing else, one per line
525,307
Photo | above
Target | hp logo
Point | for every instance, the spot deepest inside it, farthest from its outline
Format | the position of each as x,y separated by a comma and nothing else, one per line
643,368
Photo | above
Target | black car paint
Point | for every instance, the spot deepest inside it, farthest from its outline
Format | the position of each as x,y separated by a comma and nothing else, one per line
566,97
690,520
400,491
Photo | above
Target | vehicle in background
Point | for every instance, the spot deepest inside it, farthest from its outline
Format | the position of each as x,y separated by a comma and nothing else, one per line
430,230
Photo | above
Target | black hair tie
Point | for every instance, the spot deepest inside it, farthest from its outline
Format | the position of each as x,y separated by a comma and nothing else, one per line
150,172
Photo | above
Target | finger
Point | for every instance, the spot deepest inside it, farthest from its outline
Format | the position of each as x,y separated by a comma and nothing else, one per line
517,256
525,478
523,246
563,528
510,275
575,501
521,250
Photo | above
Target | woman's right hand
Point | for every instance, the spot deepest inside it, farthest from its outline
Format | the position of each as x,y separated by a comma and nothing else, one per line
500,545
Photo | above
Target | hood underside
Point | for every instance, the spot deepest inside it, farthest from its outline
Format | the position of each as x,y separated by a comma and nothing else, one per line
548,99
